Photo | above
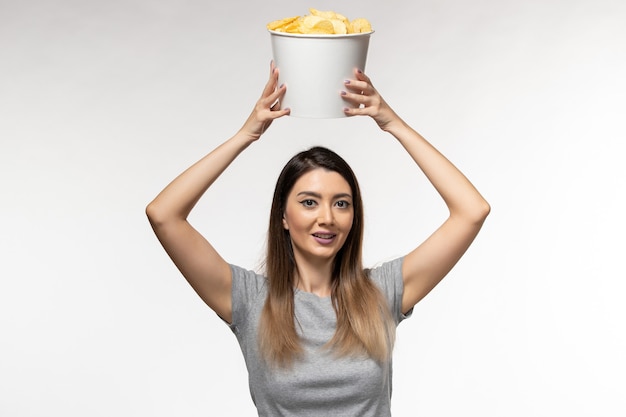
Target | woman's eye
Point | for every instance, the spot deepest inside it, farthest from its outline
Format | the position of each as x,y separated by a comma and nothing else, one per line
342,204
308,203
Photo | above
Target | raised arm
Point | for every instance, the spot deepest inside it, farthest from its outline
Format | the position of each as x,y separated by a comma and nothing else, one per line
205,270
425,266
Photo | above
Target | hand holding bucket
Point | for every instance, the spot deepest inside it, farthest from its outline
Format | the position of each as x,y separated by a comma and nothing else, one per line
314,68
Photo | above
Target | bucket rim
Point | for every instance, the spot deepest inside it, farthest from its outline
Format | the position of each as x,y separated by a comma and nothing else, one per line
319,35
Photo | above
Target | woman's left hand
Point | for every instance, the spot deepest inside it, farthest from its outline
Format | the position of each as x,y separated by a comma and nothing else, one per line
267,108
361,93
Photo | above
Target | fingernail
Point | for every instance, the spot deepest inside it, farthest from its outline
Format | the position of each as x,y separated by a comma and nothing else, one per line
346,82
359,71
345,109
343,93
282,85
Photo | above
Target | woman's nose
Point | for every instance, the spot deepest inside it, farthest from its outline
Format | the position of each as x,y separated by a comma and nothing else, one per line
325,215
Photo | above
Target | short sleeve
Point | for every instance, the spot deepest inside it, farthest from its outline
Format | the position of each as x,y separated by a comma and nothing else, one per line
388,278
247,288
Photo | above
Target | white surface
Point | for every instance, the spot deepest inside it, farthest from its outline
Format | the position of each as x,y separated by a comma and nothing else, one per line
103,103
314,69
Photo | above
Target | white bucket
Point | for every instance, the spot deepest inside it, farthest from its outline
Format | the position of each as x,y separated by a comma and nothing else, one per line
314,68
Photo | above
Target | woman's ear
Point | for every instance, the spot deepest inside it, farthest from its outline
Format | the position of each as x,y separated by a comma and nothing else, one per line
285,224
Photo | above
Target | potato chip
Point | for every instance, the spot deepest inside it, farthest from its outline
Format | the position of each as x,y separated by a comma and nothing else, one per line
278,24
359,25
293,27
339,26
326,22
317,25
327,14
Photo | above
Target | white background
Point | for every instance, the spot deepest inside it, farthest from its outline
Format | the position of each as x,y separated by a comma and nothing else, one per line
102,103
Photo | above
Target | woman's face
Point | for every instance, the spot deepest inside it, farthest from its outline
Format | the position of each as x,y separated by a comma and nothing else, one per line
318,214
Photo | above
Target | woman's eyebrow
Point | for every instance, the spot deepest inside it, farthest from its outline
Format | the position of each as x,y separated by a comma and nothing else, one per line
318,195
309,193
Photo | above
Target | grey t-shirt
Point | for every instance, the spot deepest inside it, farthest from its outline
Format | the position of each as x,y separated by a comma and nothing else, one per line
320,384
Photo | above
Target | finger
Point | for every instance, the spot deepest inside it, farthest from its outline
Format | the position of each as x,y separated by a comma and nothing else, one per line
273,101
281,113
275,114
271,93
360,75
270,86
364,82
357,111
356,98
276,95
358,87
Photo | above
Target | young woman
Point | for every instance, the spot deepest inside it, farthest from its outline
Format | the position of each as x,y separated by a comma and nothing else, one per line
317,329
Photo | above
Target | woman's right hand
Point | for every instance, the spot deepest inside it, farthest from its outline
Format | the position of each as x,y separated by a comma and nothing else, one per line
267,108
368,102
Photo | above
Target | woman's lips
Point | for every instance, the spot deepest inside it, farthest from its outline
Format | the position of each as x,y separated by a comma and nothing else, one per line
324,238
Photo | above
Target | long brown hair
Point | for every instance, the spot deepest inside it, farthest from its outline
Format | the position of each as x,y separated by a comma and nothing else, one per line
364,323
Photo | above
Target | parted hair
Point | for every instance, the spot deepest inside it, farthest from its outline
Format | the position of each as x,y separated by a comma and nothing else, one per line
364,322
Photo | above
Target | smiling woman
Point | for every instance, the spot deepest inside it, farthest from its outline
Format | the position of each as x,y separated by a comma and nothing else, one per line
318,216
317,329
316,222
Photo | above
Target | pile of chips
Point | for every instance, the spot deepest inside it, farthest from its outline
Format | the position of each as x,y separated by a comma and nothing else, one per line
321,22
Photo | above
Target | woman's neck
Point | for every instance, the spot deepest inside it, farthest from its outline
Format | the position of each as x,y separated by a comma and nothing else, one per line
314,277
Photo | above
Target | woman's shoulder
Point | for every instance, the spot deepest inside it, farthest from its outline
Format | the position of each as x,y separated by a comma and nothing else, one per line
386,270
247,282
387,276
248,292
